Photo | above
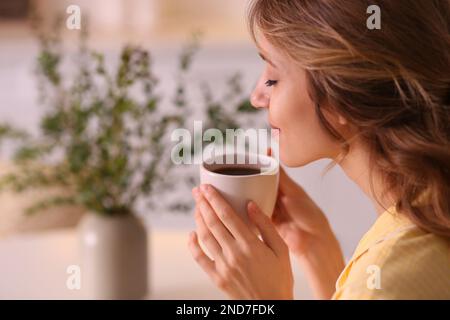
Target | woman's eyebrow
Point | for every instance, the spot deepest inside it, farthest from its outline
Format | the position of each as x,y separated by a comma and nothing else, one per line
267,60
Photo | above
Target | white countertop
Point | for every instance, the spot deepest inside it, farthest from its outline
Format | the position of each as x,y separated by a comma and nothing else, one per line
33,266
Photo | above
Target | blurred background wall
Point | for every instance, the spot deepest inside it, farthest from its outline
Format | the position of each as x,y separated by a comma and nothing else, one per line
162,26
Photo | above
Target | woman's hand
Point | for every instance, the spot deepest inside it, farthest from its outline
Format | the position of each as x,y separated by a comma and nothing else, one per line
241,265
306,231
297,217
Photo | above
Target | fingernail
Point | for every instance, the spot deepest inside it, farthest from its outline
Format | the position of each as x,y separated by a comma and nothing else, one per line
251,206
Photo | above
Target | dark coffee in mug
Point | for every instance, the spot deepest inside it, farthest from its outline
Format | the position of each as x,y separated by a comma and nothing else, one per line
237,171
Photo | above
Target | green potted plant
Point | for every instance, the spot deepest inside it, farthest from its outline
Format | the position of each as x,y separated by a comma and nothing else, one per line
102,138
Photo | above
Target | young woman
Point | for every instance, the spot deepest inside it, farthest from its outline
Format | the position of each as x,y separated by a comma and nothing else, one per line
376,102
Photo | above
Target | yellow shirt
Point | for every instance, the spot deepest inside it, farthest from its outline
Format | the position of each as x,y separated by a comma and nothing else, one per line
397,260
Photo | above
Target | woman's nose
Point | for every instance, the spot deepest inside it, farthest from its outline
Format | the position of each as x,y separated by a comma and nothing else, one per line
260,97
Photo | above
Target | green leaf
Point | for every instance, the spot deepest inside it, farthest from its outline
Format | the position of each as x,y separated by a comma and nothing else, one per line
246,106
78,155
50,203
29,153
9,132
151,104
48,63
53,124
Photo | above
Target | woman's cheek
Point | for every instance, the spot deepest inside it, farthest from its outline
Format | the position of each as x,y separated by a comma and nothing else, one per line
295,118
282,117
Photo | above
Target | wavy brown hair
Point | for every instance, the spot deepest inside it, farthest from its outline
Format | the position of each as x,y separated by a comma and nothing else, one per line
392,84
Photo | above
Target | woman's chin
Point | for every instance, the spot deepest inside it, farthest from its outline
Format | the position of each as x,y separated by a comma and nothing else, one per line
287,160
293,161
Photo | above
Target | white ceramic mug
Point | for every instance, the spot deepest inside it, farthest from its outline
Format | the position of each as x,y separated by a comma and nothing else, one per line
262,188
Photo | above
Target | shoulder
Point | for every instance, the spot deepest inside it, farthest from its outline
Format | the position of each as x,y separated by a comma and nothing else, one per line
412,264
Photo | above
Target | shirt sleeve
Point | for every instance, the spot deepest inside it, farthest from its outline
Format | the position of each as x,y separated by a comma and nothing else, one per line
411,266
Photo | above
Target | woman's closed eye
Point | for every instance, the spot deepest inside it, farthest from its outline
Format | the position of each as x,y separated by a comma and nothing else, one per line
270,83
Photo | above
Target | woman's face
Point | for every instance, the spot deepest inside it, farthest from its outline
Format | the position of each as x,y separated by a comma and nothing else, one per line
282,89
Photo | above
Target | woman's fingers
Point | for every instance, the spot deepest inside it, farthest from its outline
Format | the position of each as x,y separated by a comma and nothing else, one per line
280,219
213,269
206,237
307,217
214,224
280,214
226,215
268,231
286,183
201,258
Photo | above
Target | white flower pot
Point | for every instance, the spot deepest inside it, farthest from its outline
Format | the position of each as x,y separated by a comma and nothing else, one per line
113,257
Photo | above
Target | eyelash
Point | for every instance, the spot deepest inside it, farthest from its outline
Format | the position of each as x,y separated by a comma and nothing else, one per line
270,83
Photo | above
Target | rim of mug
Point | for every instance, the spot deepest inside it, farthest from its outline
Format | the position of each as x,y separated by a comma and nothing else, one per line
274,162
